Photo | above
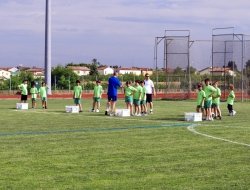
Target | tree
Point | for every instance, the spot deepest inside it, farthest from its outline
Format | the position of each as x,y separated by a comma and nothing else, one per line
232,65
93,68
248,68
64,77
178,71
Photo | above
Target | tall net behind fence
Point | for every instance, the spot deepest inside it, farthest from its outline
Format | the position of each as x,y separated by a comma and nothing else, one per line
177,62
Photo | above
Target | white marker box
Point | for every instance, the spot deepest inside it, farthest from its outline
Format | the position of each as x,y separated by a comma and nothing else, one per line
22,106
193,116
122,112
72,109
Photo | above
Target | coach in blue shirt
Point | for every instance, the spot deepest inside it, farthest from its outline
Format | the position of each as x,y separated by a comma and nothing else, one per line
113,85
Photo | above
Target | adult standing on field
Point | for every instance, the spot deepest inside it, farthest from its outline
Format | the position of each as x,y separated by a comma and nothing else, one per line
113,85
150,91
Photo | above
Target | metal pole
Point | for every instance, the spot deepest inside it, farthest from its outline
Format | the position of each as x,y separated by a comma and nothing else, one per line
242,67
166,61
156,64
48,46
69,83
189,73
55,82
10,82
225,47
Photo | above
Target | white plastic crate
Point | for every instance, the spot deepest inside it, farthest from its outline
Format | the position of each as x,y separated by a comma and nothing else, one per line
193,116
22,106
122,112
72,109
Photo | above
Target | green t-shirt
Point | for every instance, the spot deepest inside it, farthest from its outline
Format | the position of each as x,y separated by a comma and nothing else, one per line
216,96
137,94
129,90
77,91
143,95
23,88
43,91
33,92
230,98
209,90
97,91
200,97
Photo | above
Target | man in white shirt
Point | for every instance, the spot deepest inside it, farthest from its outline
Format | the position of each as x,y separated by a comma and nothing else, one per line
150,91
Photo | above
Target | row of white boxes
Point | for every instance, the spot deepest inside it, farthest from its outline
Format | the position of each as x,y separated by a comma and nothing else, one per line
189,116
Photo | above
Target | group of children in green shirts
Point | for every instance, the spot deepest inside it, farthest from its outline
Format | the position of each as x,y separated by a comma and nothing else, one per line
42,91
134,95
208,100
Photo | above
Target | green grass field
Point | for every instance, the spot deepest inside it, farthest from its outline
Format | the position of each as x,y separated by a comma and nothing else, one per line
51,149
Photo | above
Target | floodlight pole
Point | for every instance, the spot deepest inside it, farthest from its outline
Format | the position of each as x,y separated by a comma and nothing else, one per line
48,46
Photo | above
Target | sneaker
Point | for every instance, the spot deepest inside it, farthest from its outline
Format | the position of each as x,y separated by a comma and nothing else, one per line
151,112
92,110
233,113
97,110
106,112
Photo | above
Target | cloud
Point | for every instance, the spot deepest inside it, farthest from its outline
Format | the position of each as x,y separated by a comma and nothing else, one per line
114,31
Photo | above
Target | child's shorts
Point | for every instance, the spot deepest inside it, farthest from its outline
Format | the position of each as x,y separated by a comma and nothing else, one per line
207,104
96,99
143,102
77,101
136,102
215,105
128,99
44,99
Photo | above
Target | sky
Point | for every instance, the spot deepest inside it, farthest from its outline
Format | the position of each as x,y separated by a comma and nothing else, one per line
115,32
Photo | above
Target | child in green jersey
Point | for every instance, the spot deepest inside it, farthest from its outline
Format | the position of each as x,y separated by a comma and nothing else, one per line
216,101
129,91
143,99
137,98
24,91
43,94
209,91
97,96
77,95
33,92
200,99
230,101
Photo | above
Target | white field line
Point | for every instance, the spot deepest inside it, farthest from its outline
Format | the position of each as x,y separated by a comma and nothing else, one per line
191,128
